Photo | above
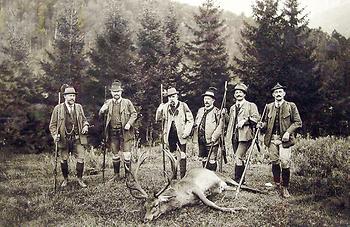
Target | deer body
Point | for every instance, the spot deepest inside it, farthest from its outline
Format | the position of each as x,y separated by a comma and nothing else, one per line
193,188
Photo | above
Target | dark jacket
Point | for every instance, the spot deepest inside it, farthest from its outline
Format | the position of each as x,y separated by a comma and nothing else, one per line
289,120
60,123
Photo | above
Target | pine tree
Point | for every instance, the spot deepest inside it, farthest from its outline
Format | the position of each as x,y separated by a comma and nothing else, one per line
113,56
66,63
260,47
207,53
150,41
172,67
297,63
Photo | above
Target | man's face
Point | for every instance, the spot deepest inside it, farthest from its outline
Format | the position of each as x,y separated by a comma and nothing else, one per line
173,99
208,101
70,98
116,94
278,94
239,95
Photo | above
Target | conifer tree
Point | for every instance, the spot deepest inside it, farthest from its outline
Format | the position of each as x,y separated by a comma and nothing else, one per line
207,53
150,41
66,62
172,67
260,46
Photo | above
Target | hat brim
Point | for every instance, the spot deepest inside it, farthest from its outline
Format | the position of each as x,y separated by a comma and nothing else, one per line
212,96
69,93
238,89
174,93
115,90
274,89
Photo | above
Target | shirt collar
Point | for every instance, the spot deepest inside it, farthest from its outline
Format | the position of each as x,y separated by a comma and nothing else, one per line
240,103
67,105
117,101
278,104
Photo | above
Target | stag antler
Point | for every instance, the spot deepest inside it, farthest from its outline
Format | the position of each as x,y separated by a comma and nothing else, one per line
174,164
135,186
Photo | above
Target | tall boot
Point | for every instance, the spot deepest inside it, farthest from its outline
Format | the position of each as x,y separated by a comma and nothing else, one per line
238,173
182,167
127,166
285,182
276,172
80,170
203,163
64,169
212,166
116,169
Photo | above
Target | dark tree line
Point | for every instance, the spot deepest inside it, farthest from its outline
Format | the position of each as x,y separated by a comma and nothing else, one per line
277,46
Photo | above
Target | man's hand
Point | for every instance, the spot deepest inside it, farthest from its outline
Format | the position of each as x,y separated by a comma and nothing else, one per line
223,111
105,106
260,124
56,138
127,126
285,137
85,129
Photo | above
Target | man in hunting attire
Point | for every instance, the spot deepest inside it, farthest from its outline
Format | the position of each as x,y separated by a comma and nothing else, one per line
208,126
68,126
120,117
280,122
177,121
242,119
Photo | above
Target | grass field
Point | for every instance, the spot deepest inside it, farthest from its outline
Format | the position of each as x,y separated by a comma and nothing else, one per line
27,199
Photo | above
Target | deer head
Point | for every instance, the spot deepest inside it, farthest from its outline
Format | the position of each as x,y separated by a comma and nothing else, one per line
160,202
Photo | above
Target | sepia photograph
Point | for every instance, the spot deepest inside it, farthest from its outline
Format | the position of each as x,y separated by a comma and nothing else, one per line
175,113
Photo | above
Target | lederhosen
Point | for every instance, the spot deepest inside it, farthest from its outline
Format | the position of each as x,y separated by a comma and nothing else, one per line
115,125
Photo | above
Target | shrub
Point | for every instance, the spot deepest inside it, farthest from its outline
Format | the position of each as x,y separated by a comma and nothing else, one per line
324,164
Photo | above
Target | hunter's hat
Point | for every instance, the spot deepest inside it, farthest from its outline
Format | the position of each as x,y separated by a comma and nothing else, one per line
116,86
69,90
172,91
242,87
210,92
277,86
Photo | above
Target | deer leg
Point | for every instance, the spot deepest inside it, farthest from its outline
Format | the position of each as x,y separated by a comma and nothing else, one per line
211,204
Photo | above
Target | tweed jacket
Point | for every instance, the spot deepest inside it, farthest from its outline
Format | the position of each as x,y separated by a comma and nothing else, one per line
128,115
249,112
183,121
289,120
213,124
59,123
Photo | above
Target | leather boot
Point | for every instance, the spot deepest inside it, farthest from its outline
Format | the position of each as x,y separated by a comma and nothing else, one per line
116,169
64,169
238,173
80,170
127,165
212,166
276,172
182,167
203,163
285,182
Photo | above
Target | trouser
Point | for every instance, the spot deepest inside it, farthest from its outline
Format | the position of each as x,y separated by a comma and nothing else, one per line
74,147
174,142
280,159
121,151
241,151
204,151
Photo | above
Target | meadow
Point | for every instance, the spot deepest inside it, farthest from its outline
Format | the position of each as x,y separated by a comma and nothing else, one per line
28,199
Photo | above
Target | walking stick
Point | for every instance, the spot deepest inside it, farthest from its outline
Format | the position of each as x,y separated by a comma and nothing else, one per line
250,151
223,152
105,140
56,142
222,137
161,101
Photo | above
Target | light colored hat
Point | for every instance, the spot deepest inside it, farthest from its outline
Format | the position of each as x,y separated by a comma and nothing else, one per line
116,86
69,90
210,92
172,91
242,87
